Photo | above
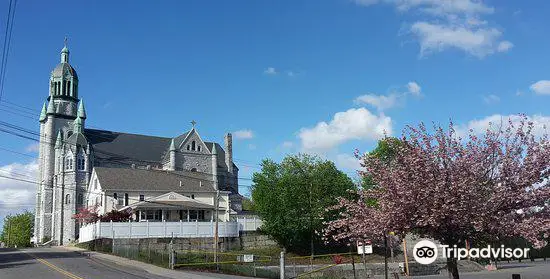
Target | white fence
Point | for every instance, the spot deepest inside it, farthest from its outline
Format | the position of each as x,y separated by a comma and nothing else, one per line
156,229
248,223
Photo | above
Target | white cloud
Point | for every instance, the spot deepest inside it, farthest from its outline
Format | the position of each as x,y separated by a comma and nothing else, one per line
491,99
270,71
380,102
504,46
450,24
414,88
383,102
434,37
347,162
17,196
353,124
541,87
243,134
498,121
33,147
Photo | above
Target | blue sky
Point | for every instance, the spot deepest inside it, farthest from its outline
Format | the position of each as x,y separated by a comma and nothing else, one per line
322,77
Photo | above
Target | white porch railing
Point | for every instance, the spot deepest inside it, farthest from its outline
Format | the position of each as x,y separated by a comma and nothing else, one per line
156,229
248,222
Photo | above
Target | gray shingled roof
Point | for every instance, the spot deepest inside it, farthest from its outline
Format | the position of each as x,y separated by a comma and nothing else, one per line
137,147
153,180
121,146
62,68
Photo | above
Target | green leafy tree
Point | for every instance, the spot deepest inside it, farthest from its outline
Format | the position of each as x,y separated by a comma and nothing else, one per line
292,196
248,204
385,151
18,229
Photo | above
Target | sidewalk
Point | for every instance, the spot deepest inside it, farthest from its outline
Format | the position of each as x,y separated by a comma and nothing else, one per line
153,269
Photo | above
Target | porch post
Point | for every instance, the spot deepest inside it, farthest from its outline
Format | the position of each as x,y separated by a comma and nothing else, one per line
187,215
163,213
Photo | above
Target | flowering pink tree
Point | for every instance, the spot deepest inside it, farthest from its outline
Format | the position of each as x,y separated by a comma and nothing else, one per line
488,187
86,215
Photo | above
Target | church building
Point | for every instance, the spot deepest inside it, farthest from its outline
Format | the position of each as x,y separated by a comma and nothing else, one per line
180,178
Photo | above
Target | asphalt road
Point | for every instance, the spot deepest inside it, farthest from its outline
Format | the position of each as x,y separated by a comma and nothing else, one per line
50,263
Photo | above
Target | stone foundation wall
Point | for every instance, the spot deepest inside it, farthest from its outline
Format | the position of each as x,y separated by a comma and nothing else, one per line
256,240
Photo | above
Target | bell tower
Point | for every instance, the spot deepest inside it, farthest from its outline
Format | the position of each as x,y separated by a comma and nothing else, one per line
56,124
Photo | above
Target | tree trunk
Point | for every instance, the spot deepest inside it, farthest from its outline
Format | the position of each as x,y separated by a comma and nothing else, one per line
452,268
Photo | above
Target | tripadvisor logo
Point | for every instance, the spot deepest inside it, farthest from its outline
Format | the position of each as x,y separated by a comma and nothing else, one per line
426,252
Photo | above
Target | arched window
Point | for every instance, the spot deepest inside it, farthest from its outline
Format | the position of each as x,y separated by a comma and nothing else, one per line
194,169
193,145
188,147
199,148
67,199
80,163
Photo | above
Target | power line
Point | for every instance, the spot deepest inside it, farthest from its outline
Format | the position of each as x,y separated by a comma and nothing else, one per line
74,188
96,150
16,152
7,43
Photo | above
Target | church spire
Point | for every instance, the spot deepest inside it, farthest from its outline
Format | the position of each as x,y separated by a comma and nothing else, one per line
58,141
65,53
51,107
81,110
43,113
78,125
172,146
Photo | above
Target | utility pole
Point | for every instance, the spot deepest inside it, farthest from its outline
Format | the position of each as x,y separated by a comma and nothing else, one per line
385,255
217,205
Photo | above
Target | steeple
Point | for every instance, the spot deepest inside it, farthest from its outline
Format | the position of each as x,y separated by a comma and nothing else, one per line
81,110
65,53
43,113
63,79
58,141
172,163
214,149
78,125
172,146
51,107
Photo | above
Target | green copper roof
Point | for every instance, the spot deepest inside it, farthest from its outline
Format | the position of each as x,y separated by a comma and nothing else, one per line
65,49
58,141
51,108
78,126
172,146
81,110
43,113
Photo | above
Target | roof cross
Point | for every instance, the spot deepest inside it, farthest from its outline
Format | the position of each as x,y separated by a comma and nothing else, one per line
193,123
